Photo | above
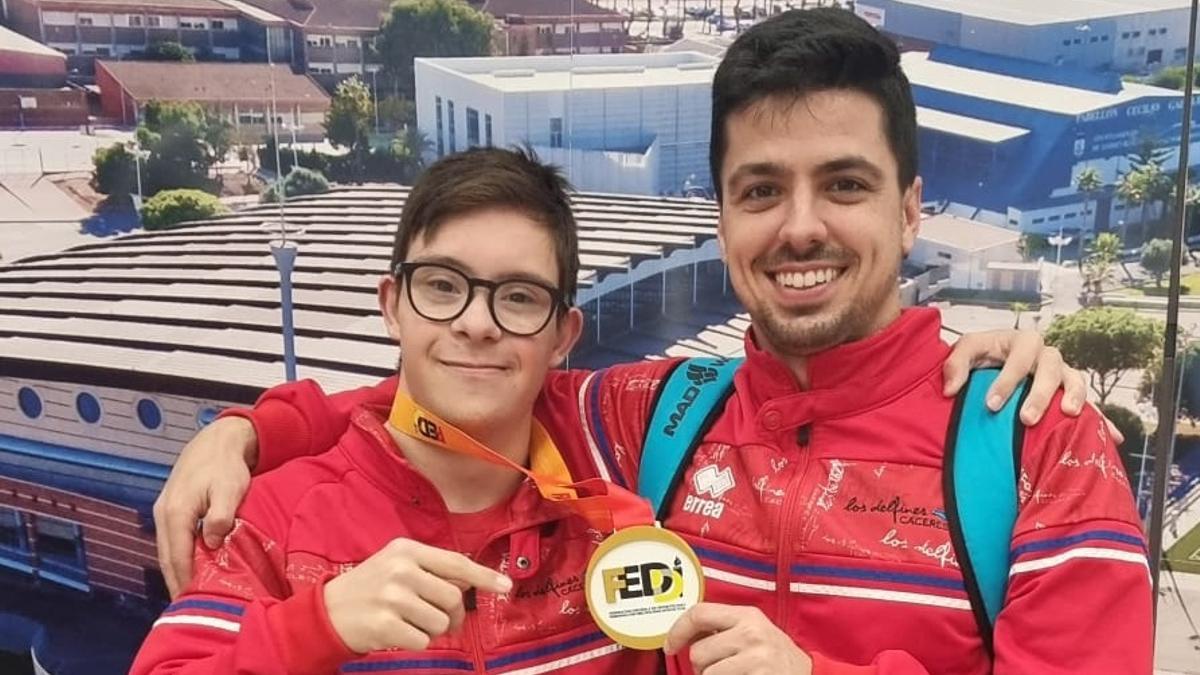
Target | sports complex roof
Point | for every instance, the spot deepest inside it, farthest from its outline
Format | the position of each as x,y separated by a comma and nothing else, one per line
196,310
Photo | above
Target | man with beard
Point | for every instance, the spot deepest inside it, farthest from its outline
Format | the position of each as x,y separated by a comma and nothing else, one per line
830,551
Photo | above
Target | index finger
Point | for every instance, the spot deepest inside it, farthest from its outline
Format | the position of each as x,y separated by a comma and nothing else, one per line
453,566
162,547
699,621
178,530
1021,356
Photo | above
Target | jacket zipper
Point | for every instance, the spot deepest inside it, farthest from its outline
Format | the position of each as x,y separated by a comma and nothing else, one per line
472,625
787,526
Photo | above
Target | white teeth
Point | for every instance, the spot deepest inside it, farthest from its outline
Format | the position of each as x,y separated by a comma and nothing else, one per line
807,279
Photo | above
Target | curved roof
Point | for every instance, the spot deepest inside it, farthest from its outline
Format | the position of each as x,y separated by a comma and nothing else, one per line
195,310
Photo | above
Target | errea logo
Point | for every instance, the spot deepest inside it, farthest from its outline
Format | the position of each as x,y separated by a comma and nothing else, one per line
713,481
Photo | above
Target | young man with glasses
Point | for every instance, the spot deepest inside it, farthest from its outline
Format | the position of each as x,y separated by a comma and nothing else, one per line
397,549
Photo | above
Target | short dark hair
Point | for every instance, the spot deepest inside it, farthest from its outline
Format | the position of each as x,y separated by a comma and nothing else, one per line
483,178
803,51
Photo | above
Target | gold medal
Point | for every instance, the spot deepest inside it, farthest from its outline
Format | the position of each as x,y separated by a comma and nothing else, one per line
639,582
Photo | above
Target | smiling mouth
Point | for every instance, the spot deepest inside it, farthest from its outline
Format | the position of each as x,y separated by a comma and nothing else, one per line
806,280
476,367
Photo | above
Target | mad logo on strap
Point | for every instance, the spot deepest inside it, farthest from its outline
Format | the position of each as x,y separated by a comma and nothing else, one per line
639,581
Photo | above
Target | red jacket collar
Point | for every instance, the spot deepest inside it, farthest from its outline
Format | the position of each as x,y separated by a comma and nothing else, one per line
847,379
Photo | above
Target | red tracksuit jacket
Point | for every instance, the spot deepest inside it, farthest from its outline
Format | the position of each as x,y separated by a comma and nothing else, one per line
256,604
823,507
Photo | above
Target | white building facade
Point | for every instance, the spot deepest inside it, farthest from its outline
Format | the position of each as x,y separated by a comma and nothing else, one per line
620,123
976,255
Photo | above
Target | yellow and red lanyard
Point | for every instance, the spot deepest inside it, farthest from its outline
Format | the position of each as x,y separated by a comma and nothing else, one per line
606,507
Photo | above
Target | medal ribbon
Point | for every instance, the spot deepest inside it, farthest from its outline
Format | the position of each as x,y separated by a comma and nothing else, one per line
605,506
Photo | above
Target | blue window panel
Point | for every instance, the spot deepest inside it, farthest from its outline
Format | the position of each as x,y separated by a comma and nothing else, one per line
149,414
30,403
88,407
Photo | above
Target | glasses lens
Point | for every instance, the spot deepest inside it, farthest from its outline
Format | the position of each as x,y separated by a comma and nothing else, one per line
438,293
522,308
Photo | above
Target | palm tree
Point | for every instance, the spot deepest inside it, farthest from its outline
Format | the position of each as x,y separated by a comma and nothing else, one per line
1017,308
1133,188
410,148
1103,254
1149,160
1089,183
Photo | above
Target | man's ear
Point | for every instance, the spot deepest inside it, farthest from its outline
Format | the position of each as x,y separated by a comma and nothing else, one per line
389,305
911,208
570,328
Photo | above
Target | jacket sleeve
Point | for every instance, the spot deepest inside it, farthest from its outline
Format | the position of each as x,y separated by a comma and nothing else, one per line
299,419
1079,596
239,617
616,405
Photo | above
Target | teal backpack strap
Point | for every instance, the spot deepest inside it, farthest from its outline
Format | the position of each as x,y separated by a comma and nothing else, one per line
979,480
689,401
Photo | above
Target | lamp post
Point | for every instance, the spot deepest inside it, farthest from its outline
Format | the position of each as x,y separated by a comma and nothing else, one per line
288,126
375,93
138,155
1059,241
284,252
1168,406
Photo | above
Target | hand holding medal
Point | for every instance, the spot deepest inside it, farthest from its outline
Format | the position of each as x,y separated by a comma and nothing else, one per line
639,581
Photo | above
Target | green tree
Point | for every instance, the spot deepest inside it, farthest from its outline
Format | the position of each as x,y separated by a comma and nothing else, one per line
1147,181
348,121
1098,265
1171,78
183,141
409,148
416,28
1030,244
1089,182
1156,259
218,136
168,50
171,208
114,172
1106,342
396,112
1018,308
300,181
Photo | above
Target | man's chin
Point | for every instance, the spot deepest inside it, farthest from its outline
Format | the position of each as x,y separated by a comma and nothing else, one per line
803,335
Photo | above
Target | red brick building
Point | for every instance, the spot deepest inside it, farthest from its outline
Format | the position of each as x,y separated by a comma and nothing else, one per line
239,92
540,27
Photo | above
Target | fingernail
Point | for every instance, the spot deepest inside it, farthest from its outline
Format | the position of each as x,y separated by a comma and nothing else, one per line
504,583
994,402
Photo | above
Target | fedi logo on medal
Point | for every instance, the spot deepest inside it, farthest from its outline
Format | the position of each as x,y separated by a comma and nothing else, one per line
639,581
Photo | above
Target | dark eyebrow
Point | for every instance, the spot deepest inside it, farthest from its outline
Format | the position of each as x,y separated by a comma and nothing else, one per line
466,269
757,169
852,163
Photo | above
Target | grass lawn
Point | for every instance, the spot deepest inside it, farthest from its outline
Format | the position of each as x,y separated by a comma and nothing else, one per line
1190,284
1185,554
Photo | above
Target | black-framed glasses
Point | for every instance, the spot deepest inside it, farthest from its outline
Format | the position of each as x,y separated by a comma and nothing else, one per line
439,292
